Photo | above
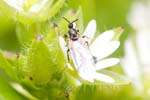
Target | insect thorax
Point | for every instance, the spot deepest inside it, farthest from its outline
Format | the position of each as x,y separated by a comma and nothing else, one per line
73,34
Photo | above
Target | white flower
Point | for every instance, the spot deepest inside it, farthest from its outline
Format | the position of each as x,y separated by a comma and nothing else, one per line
139,19
20,5
100,48
131,64
136,62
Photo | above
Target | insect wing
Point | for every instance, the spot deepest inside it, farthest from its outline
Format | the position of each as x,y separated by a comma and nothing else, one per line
83,60
80,54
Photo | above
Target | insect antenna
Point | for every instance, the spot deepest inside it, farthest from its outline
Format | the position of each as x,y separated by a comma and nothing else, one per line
66,19
69,21
75,20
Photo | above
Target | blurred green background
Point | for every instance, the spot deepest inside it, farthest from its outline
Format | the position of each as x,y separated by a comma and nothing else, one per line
109,14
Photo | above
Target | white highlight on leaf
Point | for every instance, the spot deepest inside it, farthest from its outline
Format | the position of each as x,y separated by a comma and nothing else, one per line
90,29
106,63
69,66
104,49
77,82
21,90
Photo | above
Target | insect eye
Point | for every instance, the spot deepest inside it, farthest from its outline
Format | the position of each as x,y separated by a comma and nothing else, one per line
70,25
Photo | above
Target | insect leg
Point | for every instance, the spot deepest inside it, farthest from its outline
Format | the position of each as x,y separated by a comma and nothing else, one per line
68,91
67,44
67,95
87,43
65,36
66,39
86,39
68,57
95,59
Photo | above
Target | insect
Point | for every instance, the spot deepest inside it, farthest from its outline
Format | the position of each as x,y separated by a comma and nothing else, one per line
80,53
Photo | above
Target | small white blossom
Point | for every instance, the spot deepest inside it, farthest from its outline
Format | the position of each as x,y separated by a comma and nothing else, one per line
131,65
20,4
139,19
136,62
100,48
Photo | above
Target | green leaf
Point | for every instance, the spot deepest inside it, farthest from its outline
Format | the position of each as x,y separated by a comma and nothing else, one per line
8,93
7,67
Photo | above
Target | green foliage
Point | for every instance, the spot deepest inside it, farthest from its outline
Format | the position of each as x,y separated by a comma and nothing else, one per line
7,92
38,58
9,69
25,15
39,66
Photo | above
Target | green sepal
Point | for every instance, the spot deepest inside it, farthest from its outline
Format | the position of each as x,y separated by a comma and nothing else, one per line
39,67
118,32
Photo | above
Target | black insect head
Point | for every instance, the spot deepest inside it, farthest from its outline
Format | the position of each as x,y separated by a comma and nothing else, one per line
73,33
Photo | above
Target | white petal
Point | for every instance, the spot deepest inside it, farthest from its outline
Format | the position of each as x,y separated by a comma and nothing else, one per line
86,74
63,46
103,50
103,38
90,29
107,63
102,77
86,77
